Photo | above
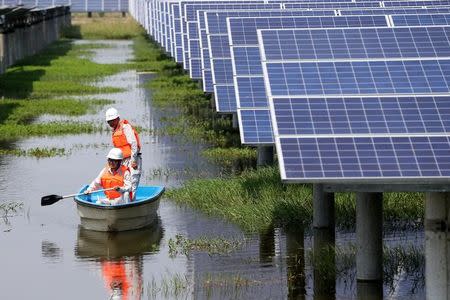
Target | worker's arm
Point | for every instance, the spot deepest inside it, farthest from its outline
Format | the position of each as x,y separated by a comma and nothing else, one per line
96,183
131,138
126,183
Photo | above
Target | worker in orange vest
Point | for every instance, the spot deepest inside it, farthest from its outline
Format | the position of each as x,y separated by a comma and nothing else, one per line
113,175
125,137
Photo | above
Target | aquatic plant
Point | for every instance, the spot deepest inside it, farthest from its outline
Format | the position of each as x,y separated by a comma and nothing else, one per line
35,152
182,245
176,286
339,263
9,209
257,198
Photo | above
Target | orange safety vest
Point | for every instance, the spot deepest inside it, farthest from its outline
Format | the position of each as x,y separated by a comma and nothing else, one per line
115,275
109,180
119,139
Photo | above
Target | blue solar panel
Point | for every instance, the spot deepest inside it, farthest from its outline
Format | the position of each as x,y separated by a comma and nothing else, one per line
334,4
358,77
190,16
225,92
257,124
248,77
250,92
394,11
422,20
215,24
362,115
378,158
347,43
426,3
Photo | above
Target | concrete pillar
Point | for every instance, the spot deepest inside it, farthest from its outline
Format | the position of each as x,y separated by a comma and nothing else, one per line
265,156
235,121
2,53
369,236
437,246
323,208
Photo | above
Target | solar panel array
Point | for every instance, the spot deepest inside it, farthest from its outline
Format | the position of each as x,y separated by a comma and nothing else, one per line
346,90
401,76
75,5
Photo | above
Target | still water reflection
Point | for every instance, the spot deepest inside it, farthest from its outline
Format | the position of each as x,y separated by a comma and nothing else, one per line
120,257
39,259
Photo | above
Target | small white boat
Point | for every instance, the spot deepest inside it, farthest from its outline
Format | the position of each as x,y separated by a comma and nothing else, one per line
139,213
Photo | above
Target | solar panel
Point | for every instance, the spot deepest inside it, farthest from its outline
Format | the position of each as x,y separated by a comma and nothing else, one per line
345,43
394,11
394,128
214,23
249,88
392,159
425,3
247,70
189,14
361,115
336,4
223,61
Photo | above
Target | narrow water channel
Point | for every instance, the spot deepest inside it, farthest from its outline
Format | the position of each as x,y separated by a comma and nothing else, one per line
46,255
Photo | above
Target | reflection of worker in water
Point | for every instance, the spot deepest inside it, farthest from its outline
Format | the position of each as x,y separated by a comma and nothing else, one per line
123,278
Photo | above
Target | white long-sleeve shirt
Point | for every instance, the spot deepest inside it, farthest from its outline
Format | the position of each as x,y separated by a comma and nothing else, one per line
96,184
131,138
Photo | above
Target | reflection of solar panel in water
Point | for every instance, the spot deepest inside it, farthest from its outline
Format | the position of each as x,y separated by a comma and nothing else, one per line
247,70
214,23
385,125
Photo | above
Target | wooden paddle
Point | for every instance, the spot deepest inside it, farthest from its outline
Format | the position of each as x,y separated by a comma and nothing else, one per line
50,199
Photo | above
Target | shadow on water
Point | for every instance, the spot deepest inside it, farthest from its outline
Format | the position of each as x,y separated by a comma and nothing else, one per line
17,82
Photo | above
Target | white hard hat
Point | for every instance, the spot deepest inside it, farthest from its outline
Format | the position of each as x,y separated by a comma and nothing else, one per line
115,153
111,114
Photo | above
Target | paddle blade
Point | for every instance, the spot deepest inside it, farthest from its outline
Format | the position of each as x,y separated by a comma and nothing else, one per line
50,199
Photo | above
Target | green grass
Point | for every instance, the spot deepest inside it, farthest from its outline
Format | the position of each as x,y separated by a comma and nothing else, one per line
109,26
61,69
256,199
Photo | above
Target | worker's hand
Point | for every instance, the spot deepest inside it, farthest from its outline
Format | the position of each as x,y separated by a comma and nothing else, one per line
134,165
117,188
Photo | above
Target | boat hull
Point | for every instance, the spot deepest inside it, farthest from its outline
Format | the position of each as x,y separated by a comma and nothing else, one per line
99,217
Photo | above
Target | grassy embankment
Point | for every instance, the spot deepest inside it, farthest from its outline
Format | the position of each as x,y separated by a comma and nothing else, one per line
255,199
46,83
